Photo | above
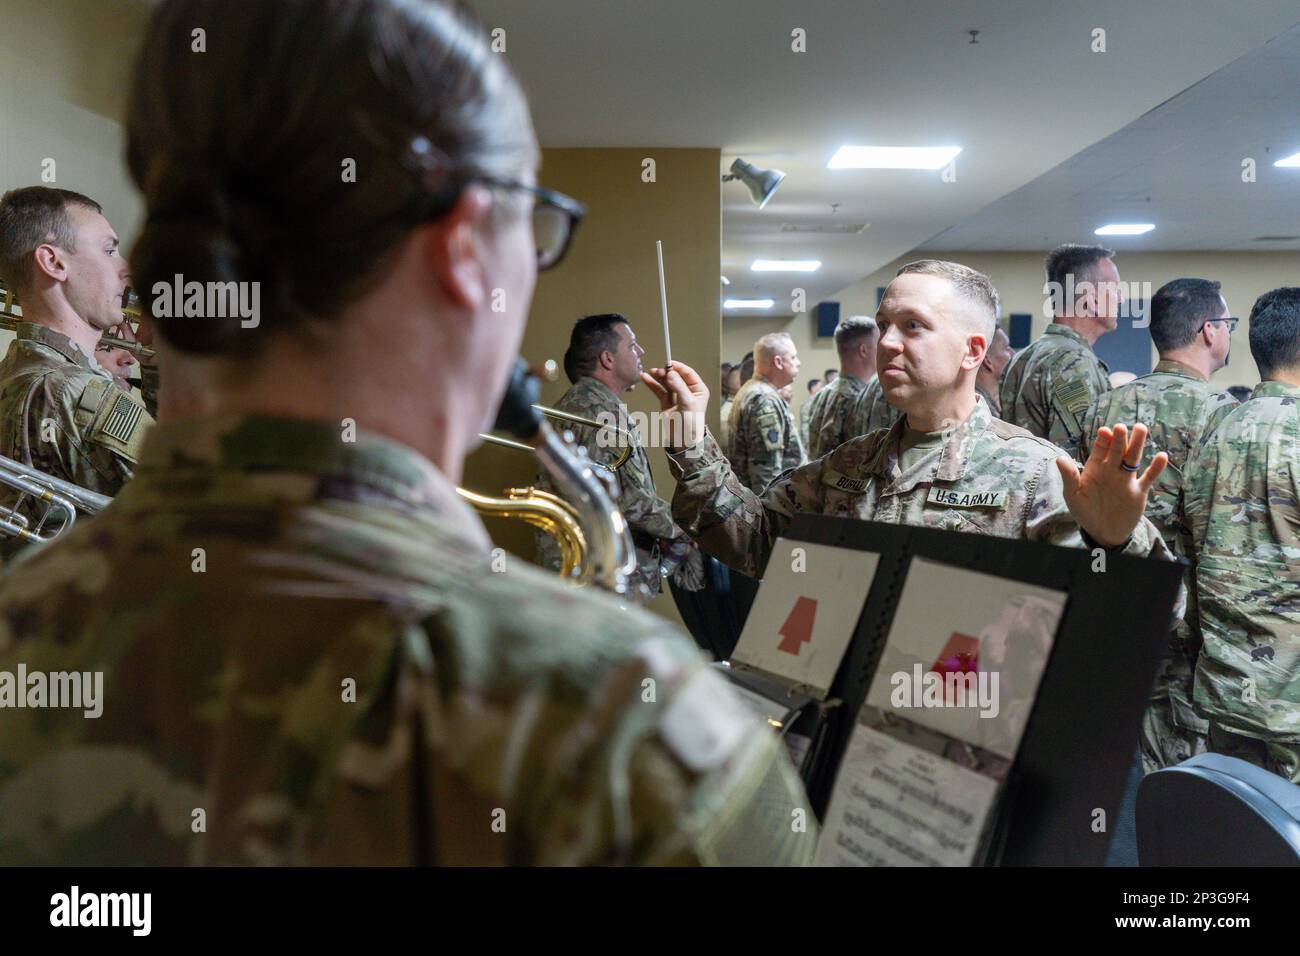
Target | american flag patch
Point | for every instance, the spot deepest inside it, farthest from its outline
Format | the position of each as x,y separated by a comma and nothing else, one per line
121,420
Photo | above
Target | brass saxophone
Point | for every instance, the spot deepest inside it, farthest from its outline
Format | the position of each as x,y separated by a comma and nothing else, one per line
592,534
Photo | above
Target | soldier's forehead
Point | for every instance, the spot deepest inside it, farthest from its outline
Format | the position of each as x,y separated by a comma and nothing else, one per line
930,297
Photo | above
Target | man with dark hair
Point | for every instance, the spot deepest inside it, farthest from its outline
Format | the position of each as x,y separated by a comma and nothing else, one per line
1049,385
1192,330
855,342
830,375
61,411
948,464
1241,504
605,358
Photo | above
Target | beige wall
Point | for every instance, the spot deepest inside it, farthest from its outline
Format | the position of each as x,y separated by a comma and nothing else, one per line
64,71
1019,280
611,268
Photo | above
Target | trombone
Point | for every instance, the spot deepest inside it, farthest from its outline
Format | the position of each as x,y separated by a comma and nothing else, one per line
62,501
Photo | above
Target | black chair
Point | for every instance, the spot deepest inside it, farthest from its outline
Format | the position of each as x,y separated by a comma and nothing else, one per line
1214,810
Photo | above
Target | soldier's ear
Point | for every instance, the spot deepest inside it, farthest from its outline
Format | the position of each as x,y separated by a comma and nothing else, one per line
977,346
49,261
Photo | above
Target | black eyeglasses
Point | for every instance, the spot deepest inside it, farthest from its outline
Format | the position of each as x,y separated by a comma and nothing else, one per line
1232,321
555,215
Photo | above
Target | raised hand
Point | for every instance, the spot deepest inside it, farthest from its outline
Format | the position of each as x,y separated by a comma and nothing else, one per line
684,397
1109,495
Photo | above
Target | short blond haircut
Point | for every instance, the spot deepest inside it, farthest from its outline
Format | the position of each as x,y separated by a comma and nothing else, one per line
772,345
974,288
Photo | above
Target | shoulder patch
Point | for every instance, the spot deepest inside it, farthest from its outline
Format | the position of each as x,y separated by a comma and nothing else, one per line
120,423
1071,399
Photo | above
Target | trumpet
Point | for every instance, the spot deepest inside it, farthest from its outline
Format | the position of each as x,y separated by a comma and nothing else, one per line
62,500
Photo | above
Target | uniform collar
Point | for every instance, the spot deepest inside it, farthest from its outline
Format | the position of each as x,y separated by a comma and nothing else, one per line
1056,328
1175,367
596,387
953,458
843,376
58,342
296,460
1273,389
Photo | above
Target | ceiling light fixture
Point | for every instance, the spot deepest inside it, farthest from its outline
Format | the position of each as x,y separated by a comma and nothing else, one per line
893,157
1125,229
786,265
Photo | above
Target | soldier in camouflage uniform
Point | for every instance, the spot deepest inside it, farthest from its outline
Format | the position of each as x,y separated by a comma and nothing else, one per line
989,380
948,464
1049,385
871,412
855,341
328,665
1192,330
764,438
61,411
1241,503
815,388
604,354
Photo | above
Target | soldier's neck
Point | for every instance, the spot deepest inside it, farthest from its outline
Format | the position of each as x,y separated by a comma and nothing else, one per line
1286,377
1198,362
608,380
861,370
946,413
60,317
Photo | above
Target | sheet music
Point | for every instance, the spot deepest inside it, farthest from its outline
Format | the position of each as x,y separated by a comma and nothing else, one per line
898,805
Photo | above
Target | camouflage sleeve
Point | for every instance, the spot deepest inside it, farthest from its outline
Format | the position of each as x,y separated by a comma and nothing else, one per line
728,520
70,436
684,775
640,503
830,431
1093,419
1070,389
767,439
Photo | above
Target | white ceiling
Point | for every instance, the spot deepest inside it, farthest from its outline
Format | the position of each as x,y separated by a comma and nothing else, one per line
1179,167
1030,95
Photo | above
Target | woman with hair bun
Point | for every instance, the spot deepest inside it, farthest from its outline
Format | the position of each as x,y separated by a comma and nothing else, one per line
300,631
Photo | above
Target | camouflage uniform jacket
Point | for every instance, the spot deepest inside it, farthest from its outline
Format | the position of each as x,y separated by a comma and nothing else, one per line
806,410
649,517
344,680
991,400
1241,502
987,478
764,440
1179,407
1049,385
870,412
62,413
829,426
